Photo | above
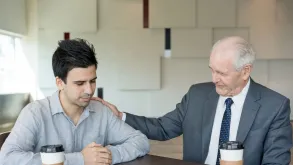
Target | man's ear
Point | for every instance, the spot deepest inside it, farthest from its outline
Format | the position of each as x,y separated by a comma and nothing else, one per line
59,83
246,71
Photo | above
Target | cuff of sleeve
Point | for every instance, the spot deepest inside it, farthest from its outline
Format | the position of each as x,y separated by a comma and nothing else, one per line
124,116
116,157
74,158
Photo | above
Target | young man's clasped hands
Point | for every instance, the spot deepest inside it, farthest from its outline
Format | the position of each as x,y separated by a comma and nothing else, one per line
95,154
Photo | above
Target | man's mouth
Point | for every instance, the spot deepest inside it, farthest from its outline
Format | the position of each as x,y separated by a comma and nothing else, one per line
86,99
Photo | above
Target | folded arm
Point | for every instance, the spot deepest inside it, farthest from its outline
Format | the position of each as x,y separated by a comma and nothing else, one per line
125,143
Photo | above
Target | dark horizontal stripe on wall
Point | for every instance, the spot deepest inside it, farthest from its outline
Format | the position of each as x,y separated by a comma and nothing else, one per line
145,13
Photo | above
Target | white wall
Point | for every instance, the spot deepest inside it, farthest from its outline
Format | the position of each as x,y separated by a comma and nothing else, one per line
267,24
13,16
67,15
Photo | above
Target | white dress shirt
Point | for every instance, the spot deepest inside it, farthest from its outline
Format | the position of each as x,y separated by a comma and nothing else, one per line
236,110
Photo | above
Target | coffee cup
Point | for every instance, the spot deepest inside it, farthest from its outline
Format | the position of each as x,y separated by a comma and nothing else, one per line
52,155
231,153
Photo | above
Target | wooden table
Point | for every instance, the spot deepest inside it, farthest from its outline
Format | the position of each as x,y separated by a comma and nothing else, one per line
157,160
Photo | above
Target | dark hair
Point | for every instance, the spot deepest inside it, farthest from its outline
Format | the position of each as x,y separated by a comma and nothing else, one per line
75,53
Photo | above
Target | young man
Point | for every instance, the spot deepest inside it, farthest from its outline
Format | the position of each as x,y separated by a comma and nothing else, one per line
88,131
233,107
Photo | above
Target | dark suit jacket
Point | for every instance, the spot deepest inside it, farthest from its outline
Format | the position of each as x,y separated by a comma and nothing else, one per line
264,127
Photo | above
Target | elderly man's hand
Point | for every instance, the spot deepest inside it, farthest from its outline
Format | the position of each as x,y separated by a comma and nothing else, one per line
112,107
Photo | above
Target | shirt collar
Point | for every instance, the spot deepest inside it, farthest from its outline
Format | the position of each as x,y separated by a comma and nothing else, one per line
56,107
237,98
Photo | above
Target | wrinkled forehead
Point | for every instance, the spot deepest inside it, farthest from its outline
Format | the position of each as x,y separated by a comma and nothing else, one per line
224,53
222,60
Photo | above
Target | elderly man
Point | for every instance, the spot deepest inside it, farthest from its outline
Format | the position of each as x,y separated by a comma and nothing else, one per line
233,107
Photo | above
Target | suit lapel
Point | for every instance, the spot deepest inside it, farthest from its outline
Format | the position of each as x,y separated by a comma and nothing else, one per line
249,112
210,107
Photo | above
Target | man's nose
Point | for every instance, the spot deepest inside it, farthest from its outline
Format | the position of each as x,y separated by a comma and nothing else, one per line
88,89
215,78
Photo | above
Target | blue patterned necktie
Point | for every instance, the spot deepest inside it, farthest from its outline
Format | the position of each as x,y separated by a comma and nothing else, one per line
225,127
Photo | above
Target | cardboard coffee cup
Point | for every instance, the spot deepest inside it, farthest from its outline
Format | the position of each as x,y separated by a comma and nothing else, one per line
52,155
231,153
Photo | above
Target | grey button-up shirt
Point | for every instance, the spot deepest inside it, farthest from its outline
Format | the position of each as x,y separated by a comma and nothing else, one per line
44,122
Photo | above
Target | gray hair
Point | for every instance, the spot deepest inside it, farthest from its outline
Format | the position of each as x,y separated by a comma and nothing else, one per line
245,53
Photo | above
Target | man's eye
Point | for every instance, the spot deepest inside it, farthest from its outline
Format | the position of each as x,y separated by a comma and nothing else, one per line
220,73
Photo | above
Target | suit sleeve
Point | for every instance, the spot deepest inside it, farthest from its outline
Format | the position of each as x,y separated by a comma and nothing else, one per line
162,128
278,142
